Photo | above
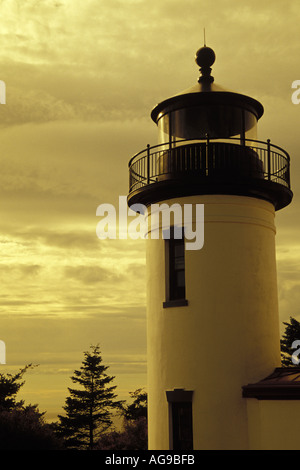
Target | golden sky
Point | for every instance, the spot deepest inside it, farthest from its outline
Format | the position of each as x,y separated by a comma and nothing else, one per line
81,79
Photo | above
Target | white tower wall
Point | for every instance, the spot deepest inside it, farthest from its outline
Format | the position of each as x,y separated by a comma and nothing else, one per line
227,335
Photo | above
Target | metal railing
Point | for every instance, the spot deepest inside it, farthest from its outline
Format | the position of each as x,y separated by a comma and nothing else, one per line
222,158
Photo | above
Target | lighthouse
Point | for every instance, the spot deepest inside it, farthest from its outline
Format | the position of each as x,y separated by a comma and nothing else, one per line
212,312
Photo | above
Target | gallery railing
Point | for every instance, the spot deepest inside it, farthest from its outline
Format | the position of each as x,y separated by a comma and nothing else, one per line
225,159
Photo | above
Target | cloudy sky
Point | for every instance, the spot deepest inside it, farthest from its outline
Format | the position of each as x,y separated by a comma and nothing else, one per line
81,79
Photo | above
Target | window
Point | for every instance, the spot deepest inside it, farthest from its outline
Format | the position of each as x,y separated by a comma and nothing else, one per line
175,270
181,419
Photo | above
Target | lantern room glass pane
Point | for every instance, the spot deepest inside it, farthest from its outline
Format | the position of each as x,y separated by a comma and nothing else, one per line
216,121
164,129
250,126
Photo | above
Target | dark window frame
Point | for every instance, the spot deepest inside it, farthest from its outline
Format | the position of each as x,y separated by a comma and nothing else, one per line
175,268
180,419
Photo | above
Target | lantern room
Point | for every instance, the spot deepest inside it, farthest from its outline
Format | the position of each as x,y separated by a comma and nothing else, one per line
207,144
207,110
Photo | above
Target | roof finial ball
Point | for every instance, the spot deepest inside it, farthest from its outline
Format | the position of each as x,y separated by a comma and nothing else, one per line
205,57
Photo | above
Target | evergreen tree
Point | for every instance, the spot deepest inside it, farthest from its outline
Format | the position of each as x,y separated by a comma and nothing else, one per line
22,427
9,386
138,408
89,409
291,334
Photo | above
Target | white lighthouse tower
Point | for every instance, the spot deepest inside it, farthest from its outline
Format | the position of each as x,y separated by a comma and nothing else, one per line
212,313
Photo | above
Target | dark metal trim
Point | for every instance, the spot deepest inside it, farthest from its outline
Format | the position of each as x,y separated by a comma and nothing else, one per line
179,395
275,193
259,169
175,303
207,98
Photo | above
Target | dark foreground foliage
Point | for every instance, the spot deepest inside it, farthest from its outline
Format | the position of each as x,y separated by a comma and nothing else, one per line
88,422
134,436
22,427
25,429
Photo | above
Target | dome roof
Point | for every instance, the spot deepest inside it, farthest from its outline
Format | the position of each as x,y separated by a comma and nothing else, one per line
206,92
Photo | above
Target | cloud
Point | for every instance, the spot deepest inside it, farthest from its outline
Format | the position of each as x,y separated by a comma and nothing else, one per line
97,73
82,78
19,271
89,274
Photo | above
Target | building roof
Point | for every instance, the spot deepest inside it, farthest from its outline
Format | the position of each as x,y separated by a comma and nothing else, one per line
282,384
